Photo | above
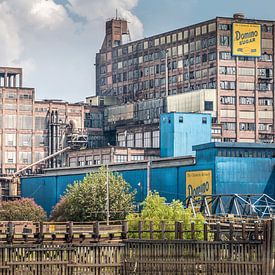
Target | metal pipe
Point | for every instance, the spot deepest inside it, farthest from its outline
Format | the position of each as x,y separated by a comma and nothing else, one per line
39,161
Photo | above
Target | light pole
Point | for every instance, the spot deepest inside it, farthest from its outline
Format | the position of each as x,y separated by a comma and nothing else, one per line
166,73
148,177
107,197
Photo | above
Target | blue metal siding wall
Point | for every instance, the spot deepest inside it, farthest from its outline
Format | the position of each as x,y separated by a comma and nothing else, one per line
134,178
245,175
177,137
64,181
42,189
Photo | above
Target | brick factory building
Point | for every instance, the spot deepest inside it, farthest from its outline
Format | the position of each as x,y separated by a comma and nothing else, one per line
196,57
31,129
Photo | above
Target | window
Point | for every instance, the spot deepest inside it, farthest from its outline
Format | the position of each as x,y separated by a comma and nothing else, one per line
266,57
228,100
155,139
10,139
211,41
225,40
137,157
266,101
247,71
81,161
224,27
138,140
105,159
121,139
228,70
10,157
228,85
130,140
265,72
121,158
247,100
247,127
264,86
229,126
247,86
10,121
147,139
208,105
212,56
265,127
226,56
40,123
25,157
25,140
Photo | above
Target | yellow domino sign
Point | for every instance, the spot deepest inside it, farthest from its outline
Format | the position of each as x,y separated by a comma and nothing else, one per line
246,40
199,183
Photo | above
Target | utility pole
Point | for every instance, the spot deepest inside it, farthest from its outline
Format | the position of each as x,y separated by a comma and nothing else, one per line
148,177
107,197
166,73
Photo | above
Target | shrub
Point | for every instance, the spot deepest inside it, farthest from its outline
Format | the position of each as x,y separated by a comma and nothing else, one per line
157,210
86,200
21,210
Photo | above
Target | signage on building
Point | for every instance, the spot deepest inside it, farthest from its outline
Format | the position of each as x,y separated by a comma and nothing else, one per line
246,40
199,183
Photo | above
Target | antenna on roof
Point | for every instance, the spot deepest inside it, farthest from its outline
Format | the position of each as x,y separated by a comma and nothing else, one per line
116,14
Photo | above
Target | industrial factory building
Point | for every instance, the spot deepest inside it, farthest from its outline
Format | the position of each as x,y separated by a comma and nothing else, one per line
232,56
221,168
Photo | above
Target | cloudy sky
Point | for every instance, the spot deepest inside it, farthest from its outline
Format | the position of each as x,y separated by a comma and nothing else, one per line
55,41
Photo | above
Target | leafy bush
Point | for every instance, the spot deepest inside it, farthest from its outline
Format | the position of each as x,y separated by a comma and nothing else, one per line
86,200
157,210
21,210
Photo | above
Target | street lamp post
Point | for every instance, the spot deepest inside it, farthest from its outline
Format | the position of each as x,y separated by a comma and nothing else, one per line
107,197
166,73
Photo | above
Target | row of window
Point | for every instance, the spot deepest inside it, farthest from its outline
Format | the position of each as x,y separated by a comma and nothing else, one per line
246,100
23,157
104,159
231,126
175,37
228,56
25,140
139,140
165,39
229,70
246,153
245,86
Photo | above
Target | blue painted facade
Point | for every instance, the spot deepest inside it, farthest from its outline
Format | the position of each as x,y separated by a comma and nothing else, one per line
236,168
180,131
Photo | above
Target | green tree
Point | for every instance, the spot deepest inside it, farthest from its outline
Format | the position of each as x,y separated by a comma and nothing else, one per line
157,210
21,210
86,200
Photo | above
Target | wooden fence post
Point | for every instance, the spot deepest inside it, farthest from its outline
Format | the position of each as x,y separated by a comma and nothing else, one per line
180,230
124,234
140,228
40,232
151,230
69,232
10,233
218,231
205,231
192,230
162,229
96,230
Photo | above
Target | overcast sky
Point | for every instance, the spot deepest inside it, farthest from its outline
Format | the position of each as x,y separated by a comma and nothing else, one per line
55,41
